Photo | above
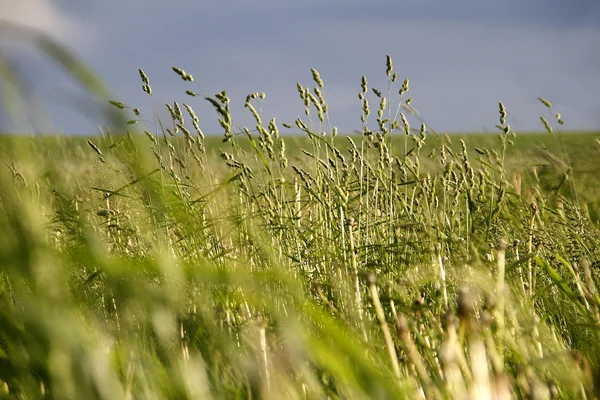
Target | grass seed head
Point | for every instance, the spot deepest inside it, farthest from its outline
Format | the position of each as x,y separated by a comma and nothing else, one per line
185,76
463,147
382,107
191,112
406,124
443,154
317,77
171,111
146,86
423,131
388,64
177,112
273,128
404,87
254,113
366,109
198,130
94,147
546,124
117,104
151,137
144,77
545,102
502,110
282,157
300,90
321,98
186,132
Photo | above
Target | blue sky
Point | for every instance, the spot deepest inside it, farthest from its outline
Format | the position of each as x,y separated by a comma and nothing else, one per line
461,56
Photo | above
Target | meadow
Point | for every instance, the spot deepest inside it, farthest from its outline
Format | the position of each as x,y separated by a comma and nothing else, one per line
158,262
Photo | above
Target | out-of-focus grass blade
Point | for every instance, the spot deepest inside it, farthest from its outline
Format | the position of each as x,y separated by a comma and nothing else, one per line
10,93
66,59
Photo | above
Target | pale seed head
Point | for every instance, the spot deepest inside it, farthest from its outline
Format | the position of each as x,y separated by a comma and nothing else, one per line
317,77
545,102
388,63
546,124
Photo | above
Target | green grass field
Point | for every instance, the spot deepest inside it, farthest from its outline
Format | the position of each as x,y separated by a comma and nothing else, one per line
260,265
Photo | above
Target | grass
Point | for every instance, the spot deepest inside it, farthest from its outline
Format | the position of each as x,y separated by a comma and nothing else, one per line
168,265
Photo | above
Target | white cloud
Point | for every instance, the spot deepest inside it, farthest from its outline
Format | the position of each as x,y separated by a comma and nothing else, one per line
45,16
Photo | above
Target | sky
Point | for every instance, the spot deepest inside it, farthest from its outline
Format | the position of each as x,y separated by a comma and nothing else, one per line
461,58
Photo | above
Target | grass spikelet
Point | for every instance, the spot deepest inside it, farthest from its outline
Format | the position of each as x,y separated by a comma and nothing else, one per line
314,101
443,156
171,112
146,82
321,98
185,76
405,124
151,137
545,102
186,133
317,77
546,124
423,131
366,111
301,124
273,128
177,112
94,147
388,64
502,110
404,88
219,108
382,107
252,109
117,104
300,90
282,156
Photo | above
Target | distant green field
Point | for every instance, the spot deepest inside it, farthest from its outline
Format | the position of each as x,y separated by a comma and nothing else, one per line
543,153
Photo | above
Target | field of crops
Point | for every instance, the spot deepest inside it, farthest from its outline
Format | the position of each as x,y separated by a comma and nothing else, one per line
391,264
